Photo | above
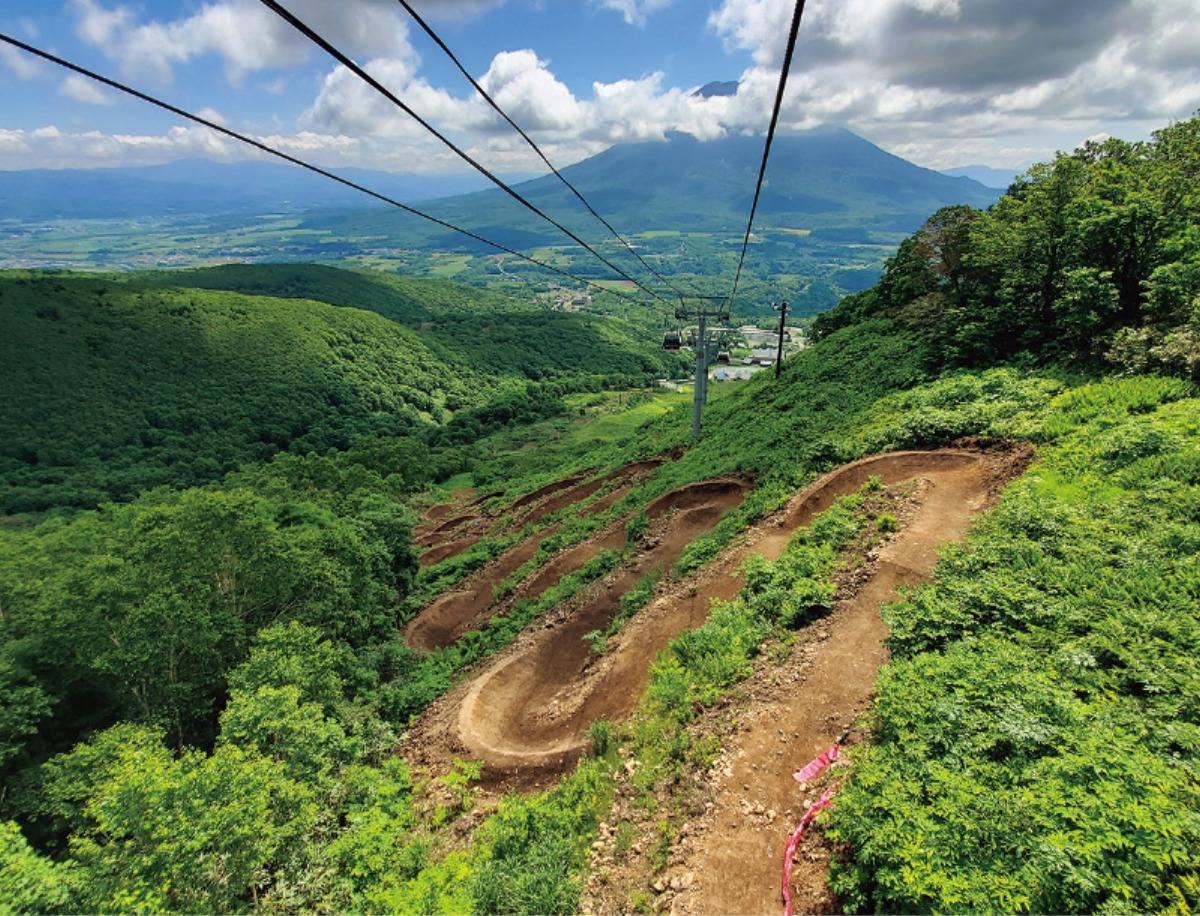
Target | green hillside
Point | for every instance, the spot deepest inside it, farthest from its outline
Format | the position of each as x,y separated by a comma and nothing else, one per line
478,330
116,384
206,697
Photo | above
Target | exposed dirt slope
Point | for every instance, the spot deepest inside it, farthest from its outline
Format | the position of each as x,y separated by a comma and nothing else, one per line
730,857
451,614
524,714
530,710
468,608
447,537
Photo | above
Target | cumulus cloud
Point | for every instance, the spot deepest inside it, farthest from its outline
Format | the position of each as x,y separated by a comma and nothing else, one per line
922,77
347,104
51,147
567,127
934,80
246,34
14,146
523,86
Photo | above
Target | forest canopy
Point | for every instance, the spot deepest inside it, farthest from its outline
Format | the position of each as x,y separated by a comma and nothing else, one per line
1092,260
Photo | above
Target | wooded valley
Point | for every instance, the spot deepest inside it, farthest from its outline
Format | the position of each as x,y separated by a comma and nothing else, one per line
221,490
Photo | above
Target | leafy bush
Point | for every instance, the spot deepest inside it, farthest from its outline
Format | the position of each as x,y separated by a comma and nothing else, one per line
532,848
1036,737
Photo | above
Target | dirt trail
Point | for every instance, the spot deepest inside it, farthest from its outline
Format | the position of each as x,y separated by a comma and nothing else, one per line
685,607
542,492
528,711
446,537
577,492
733,856
444,551
454,613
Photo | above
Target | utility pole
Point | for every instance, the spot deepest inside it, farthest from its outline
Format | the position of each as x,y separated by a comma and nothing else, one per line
699,395
707,307
779,352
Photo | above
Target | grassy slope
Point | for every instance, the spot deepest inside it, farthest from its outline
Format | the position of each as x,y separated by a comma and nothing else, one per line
1035,742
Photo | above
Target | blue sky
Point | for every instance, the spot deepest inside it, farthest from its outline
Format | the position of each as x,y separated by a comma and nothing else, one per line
940,82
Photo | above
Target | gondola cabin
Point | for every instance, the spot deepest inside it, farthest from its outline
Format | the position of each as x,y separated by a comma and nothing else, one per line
672,340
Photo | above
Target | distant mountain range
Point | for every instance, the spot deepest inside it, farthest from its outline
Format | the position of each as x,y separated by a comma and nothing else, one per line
826,180
198,187
985,175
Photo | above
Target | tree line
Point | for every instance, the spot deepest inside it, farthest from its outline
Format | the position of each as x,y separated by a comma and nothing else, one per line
1092,260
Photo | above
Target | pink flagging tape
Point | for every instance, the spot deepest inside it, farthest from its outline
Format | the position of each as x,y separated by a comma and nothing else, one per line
789,853
817,764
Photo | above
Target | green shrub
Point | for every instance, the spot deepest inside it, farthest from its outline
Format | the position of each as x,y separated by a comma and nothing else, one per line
1037,733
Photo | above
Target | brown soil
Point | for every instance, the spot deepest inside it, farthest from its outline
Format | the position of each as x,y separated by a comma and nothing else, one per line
447,537
446,550
729,855
433,513
630,471
560,501
451,524
606,502
480,500
573,558
454,613
540,492
457,499
532,708
578,492
526,713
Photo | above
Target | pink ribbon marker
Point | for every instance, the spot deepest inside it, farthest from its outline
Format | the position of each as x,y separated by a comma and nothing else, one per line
807,773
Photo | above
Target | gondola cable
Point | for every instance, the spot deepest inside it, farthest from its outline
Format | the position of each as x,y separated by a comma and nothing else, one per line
433,35
263,147
762,170
362,74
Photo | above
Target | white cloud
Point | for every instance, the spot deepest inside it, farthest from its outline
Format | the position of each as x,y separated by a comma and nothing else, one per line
941,80
21,64
755,26
51,147
246,34
529,93
211,114
567,128
13,144
635,12
82,89
347,104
